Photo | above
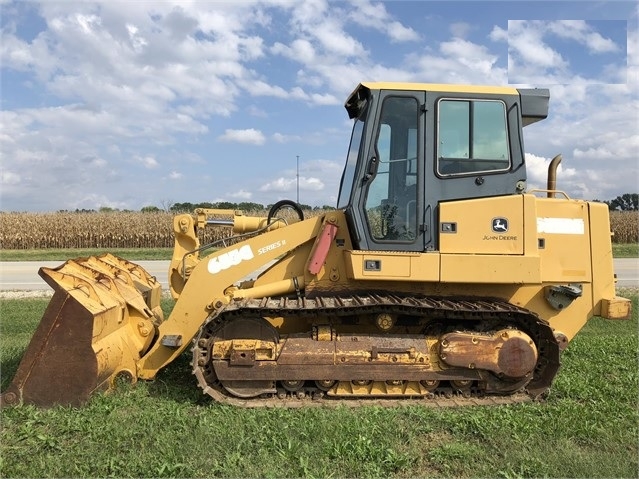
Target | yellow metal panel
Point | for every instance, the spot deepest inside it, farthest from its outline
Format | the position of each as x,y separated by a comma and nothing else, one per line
604,300
616,308
602,265
568,320
563,226
489,269
392,265
481,89
531,245
483,226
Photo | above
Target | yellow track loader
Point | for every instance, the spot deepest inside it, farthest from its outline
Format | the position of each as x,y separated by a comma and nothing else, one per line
439,277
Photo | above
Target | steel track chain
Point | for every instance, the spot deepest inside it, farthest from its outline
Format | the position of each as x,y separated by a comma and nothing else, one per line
434,308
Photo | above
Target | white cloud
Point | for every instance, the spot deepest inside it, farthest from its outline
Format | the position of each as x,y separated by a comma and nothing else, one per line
525,38
399,33
459,61
261,88
581,32
148,162
241,195
300,50
280,185
532,59
250,135
498,34
607,147
467,53
9,178
460,29
175,175
313,184
374,15
283,185
281,138
94,201
334,40
537,168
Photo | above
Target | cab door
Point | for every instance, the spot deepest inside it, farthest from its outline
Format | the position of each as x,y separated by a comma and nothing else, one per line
391,197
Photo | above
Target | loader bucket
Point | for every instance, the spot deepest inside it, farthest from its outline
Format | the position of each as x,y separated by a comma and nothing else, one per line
102,317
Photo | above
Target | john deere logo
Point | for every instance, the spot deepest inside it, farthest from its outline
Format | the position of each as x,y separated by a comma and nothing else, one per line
500,225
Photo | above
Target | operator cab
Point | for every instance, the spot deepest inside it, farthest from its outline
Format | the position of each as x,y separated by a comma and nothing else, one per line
416,145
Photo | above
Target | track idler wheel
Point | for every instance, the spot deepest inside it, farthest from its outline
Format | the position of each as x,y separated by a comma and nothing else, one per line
293,385
241,334
325,384
507,353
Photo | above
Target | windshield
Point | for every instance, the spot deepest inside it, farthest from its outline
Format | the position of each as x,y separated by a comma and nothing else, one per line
346,186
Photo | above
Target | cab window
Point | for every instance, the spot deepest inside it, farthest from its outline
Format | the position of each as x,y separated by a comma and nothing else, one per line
472,137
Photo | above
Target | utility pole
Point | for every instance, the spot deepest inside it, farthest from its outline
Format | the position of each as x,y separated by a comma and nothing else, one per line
298,179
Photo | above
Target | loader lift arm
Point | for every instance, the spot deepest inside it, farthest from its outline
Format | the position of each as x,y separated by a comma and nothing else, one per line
210,283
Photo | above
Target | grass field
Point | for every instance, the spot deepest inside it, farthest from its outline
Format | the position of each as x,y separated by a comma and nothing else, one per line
625,250
588,427
63,254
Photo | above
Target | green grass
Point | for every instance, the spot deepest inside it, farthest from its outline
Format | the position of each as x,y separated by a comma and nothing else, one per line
627,250
62,254
588,427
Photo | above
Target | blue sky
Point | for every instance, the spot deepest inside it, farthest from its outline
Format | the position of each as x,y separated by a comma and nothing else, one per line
138,103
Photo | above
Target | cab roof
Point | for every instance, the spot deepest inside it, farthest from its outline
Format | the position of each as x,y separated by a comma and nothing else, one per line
534,102
437,87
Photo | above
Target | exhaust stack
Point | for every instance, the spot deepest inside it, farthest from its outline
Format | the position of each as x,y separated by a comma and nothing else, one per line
552,176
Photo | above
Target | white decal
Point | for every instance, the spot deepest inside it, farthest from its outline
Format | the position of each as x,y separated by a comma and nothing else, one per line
232,258
271,246
564,226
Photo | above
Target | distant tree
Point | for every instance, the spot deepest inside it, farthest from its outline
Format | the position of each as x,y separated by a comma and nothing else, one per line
306,207
107,209
182,207
150,209
625,202
167,205
325,207
226,205
205,204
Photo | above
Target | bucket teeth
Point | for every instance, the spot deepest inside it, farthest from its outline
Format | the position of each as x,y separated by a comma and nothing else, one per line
101,319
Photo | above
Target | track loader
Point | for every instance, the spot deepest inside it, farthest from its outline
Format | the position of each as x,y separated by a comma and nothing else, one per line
439,277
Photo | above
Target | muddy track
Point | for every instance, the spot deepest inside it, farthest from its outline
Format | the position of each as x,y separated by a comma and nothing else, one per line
479,313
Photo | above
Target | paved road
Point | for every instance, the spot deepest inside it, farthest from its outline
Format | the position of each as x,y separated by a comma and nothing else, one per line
23,275
627,270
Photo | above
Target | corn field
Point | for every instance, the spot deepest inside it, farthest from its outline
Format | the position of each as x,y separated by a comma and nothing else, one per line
104,230
155,230
625,226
